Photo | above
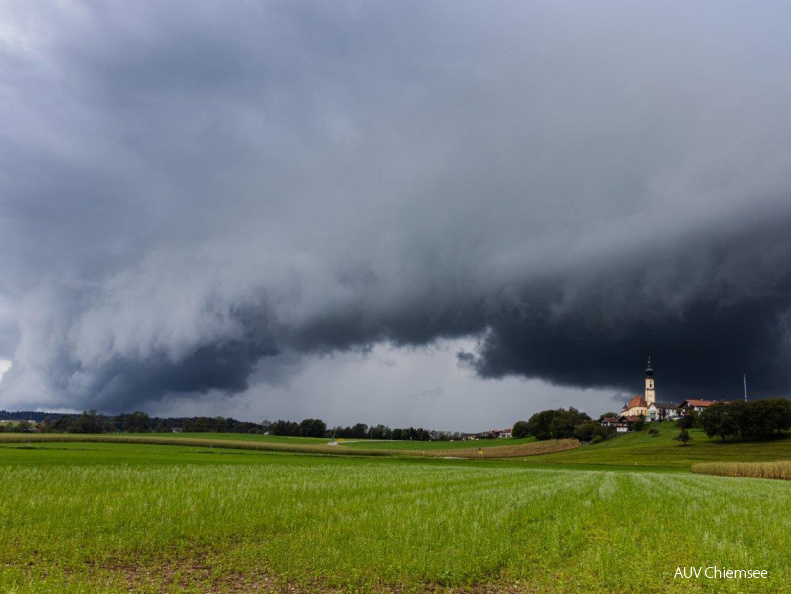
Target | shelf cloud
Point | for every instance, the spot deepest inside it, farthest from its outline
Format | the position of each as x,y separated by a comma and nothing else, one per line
194,198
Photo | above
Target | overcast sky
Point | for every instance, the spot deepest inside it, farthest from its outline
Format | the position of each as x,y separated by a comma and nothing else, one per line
443,214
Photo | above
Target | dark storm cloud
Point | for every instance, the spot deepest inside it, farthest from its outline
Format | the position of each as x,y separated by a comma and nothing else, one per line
734,321
195,195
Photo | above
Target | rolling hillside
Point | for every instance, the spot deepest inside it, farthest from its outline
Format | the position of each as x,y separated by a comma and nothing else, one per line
643,450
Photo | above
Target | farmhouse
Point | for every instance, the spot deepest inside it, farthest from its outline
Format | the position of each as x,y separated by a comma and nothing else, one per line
662,411
696,405
492,434
621,424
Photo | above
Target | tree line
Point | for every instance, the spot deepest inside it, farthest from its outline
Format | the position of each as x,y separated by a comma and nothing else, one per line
758,419
317,428
90,421
562,424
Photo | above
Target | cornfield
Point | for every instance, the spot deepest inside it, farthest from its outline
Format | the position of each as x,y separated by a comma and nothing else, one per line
779,469
534,448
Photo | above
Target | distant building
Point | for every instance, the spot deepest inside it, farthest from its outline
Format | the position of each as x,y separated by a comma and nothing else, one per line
696,405
635,407
491,434
645,404
639,405
662,411
620,424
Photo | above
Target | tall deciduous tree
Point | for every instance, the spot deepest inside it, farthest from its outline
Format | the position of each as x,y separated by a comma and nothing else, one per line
718,421
520,429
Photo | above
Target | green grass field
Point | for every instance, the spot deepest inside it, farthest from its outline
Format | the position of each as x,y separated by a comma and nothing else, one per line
636,450
243,437
499,449
350,443
368,444
86,517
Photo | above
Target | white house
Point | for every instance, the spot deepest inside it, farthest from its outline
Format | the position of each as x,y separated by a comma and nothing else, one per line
662,411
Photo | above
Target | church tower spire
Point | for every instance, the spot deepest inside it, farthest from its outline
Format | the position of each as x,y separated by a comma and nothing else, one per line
650,391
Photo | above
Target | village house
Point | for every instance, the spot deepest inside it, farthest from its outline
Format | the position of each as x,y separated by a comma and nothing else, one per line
621,424
627,423
695,405
662,411
492,434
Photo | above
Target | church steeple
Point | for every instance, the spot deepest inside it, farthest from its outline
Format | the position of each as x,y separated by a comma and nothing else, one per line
650,392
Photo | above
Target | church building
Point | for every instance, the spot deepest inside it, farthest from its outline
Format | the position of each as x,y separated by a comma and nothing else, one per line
640,404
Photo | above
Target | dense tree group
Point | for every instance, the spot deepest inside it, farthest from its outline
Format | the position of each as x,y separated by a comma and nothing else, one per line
758,419
307,428
561,424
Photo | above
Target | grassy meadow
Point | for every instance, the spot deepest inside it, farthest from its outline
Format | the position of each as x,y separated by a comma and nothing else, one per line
368,444
496,449
109,516
372,444
641,450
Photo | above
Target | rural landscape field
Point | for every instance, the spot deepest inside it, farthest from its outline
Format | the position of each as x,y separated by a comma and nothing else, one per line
395,296
81,516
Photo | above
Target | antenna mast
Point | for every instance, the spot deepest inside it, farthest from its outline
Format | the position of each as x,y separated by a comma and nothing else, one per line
745,387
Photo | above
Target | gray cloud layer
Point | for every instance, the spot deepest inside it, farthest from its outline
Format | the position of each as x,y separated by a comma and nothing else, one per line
189,190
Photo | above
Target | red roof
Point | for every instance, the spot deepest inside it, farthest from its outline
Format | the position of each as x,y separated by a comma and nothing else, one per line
636,401
703,403
631,419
